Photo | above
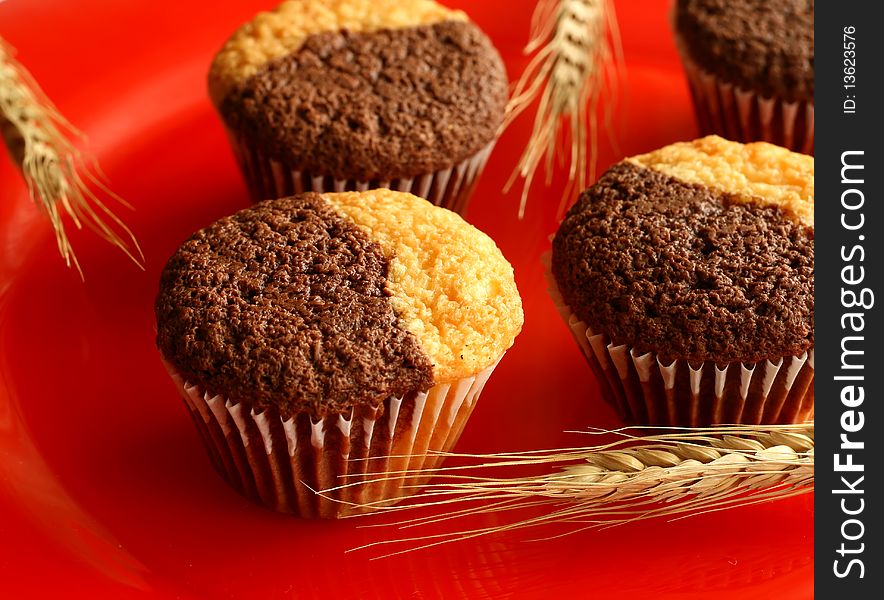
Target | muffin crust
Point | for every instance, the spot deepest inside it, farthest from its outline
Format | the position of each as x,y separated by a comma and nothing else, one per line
393,103
759,45
450,284
321,302
271,35
754,173
285,304
686,270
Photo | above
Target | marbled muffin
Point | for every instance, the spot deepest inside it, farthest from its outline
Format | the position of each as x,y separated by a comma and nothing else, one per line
750,66
334,95
306,331
686,275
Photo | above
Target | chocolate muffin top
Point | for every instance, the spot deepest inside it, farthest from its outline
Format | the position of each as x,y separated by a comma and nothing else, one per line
309,304
691,265
362,90
761,45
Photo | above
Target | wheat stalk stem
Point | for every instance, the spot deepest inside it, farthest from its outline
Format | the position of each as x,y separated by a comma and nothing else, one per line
59,179
673,474
575,42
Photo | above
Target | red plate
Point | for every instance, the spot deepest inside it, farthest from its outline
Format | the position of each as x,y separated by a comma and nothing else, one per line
104,488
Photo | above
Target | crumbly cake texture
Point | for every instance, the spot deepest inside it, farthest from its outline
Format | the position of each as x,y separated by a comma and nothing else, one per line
669,253
317,303
282,31
450,285
395,103
754,173
765,46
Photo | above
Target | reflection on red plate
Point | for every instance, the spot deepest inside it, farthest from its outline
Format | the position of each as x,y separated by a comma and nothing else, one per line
104,488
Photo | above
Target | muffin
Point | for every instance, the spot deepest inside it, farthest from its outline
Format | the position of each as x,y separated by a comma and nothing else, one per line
750,68
686,276
320,338
350,95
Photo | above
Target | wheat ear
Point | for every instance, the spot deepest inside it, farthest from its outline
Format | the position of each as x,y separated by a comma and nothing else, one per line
59,179
573,42
676,474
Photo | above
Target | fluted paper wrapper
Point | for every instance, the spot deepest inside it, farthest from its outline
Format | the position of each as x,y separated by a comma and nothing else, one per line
744,116
644,390
279,463
268,178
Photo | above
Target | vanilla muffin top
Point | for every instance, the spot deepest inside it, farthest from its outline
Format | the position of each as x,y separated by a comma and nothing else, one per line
316,303
282,31
449,284
753,173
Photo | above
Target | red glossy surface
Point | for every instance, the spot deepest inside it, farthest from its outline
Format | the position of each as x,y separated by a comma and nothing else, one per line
104,488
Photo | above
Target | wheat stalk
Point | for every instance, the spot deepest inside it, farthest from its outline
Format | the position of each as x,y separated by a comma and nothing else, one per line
574,42
58,178
675,474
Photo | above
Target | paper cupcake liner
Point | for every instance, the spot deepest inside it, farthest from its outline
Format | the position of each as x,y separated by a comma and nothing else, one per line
279,463
645,390
742,115
268,178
